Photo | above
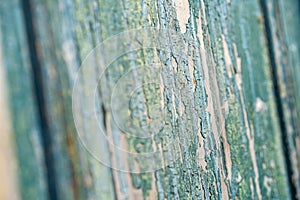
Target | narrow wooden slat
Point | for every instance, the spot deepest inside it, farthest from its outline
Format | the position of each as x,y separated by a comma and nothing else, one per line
23,114
9,188
282,19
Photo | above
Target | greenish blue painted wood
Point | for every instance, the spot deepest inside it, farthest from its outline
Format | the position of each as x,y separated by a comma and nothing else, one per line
241,117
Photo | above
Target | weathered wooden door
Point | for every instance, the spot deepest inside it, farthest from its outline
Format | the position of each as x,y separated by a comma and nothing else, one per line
149,99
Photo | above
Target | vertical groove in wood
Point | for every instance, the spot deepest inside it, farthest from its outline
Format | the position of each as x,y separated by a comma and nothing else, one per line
40,102
25,129
278,90
283,18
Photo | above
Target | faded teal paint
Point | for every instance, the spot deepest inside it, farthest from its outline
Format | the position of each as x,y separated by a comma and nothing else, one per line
31,171
256,160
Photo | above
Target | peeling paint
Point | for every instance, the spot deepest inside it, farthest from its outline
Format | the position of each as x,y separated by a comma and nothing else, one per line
227,58
214,108
183,13
260,106
267,182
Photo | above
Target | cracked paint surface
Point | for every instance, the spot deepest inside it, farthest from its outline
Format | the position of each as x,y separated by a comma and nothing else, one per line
214,97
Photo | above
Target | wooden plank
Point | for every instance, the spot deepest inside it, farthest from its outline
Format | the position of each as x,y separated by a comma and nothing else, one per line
216,112
251,116
281,18
53,101
23,117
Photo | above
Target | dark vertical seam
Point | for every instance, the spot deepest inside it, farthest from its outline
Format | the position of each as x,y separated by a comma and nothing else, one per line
111,168
38,87
278,100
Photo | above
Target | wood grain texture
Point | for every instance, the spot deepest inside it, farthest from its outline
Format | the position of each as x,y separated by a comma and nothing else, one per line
228,94
24,121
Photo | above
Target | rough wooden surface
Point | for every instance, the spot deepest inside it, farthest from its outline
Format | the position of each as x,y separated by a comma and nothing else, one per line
230,97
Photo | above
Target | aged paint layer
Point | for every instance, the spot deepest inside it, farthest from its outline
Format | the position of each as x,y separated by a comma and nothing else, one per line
216,96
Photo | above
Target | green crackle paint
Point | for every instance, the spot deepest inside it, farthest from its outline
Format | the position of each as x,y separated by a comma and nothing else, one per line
218,103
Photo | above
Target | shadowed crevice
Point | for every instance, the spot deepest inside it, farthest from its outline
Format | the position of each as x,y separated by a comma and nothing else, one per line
40,99
278,100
